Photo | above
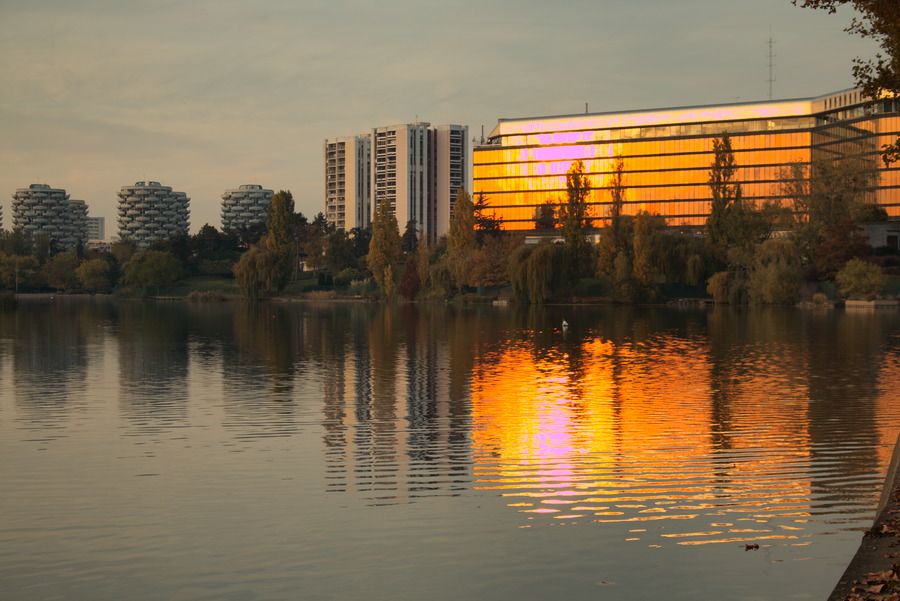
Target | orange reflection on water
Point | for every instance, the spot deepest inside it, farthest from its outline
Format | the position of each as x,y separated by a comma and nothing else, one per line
647,432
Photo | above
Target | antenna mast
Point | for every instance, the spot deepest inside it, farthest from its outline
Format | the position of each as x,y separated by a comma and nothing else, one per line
771,55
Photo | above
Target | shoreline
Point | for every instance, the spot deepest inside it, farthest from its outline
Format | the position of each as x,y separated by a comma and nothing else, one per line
870,574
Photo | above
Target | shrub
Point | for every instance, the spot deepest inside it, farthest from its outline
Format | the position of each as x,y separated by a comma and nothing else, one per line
859,279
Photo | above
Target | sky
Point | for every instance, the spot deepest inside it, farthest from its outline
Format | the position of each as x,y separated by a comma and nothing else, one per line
206,95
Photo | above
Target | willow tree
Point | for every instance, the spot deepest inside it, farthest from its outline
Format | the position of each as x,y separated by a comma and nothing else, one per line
385,248
575,219
256,272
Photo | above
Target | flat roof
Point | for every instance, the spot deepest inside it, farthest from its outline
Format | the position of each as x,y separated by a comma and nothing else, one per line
666,116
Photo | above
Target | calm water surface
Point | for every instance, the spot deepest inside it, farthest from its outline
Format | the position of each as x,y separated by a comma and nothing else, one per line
354,451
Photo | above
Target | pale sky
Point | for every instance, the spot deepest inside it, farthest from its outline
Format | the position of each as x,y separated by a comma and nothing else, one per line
206,95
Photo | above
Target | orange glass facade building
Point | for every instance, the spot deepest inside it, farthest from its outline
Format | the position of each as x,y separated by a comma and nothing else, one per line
667,154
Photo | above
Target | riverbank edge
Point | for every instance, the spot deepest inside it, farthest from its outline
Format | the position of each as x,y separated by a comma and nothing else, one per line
879,549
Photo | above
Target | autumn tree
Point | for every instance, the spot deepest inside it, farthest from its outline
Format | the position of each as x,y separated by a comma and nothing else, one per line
878,20
461,240
410,282
575,219
385,248
490,265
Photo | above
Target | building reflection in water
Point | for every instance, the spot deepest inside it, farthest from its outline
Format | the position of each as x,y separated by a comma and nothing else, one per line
49,352
153,356
705,423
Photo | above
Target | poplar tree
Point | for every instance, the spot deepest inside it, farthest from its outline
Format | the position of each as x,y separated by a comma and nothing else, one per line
575,219
385,248
280,237
461,240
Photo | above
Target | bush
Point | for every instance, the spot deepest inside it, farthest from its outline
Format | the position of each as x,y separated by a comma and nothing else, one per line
860,280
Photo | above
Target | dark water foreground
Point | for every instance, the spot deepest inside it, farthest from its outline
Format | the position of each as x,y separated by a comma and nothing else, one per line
357,451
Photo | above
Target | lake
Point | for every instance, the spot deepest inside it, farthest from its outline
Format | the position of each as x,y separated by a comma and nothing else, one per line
347,450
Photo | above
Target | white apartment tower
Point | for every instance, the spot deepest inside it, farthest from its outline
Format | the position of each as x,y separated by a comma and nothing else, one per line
42,209
245,206
417,168
347,181
451,173
149,211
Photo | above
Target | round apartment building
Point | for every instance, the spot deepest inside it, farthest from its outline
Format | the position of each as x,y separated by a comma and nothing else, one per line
244,206
149,211
42,209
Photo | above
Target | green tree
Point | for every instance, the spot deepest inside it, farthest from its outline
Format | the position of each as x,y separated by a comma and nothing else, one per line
60,271
409,241
280,240
151,269
878,20
859,279
776,274
826,199
384,249
486,224
95,275
535,272
256,273
461,240
617,202
18,272
545,216
575,219
727,195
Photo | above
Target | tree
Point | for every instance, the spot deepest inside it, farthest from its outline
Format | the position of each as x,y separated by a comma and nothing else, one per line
410,282
575,219
776,275
17,271
59,271
617,204
726,195
94,275
151,268
859,279
410,239
489,267
384,249
256,272
878,20
535,272
486,225
280,236
461,241
545,218
827,196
